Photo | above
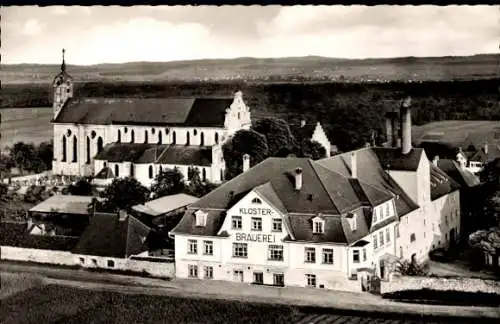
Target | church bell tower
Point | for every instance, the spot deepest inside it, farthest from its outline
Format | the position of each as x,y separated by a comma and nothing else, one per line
62,88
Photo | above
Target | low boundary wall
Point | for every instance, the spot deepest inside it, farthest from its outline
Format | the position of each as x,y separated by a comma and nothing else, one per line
401,283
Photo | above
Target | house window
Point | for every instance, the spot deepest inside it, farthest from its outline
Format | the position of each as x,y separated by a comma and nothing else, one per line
318,227
209,272
375,242
240,250
256,201
276,252
374,215
256,224
111,263
354,223
311,280
208,248
63,149
387,214
150,171
387,235
400,251
412,237
277,225
397,230
310,255
237,222
355,256
117,170
364,255
381,238
328,256
192,247
193,271
201,218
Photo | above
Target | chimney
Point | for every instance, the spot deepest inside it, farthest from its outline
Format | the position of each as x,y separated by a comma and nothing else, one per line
406,126
435,160
246,162
298,178
122,215
354,166
302,122
486,148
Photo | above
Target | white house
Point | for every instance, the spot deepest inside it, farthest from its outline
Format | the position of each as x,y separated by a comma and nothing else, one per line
137,137
312,132
298,222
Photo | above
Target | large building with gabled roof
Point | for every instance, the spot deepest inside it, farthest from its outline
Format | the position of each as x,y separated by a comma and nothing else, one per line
329,223
120,137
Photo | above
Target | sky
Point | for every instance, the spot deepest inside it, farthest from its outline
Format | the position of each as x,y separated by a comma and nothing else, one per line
99,34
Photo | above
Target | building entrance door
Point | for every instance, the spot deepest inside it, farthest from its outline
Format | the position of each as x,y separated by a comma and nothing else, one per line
238,275
258,278
279,279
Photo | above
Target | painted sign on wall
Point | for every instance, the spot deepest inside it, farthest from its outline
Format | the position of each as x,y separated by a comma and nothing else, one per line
261,238
256,211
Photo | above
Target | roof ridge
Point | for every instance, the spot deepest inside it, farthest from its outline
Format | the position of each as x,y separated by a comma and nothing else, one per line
312,163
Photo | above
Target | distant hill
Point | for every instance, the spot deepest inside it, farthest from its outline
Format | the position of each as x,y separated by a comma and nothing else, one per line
308,68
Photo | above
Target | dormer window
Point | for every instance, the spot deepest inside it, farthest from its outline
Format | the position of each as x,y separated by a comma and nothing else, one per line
201,218
256,201
318,225
352,221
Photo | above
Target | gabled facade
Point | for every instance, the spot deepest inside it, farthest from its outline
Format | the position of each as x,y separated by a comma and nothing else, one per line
84,128
312,132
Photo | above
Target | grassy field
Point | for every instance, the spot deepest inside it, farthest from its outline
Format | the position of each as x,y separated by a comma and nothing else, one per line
456,131
25,125
12,284
293,68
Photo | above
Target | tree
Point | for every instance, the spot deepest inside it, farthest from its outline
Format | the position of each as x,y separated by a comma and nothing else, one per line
6,164
197,187
36,194
45,152
243,142
123,193
311,149
4,189
411,268
486,241
168,182
277,133
82,187
24,156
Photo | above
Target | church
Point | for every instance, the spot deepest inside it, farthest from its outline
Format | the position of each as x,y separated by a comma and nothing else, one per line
121,137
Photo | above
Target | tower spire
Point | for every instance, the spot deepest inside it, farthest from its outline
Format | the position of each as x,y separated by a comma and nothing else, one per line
63,64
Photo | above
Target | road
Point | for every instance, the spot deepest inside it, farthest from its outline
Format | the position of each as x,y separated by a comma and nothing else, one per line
100,292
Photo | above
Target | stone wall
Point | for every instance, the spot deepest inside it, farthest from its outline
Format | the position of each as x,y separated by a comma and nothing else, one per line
458,284
37,255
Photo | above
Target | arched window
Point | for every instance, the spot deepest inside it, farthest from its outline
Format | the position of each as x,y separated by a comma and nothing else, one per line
119,139
75,149
174,139
202,139
188,138
64,148
132,136
132,170
256,201
99,145
146,136
150,172
160,138
88,150
216,138
117,170
204,174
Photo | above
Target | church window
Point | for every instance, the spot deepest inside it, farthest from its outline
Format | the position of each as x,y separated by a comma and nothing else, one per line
68,132
202,139
125,130
188,138
204,174
195,132
160,138
174,139
256,201
132,170
146,136
216,138
132,136
99,145
119,136
64,149
117,170
239,115
150,172
68,90
88,150
153,131
93,134
167,131
75,149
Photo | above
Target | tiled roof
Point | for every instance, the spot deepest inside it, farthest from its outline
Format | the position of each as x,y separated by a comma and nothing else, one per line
394,159
323,191
109,236
17,235
64,204
441,183
209,112
165,204
154,153
186,155
105,173
462,176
